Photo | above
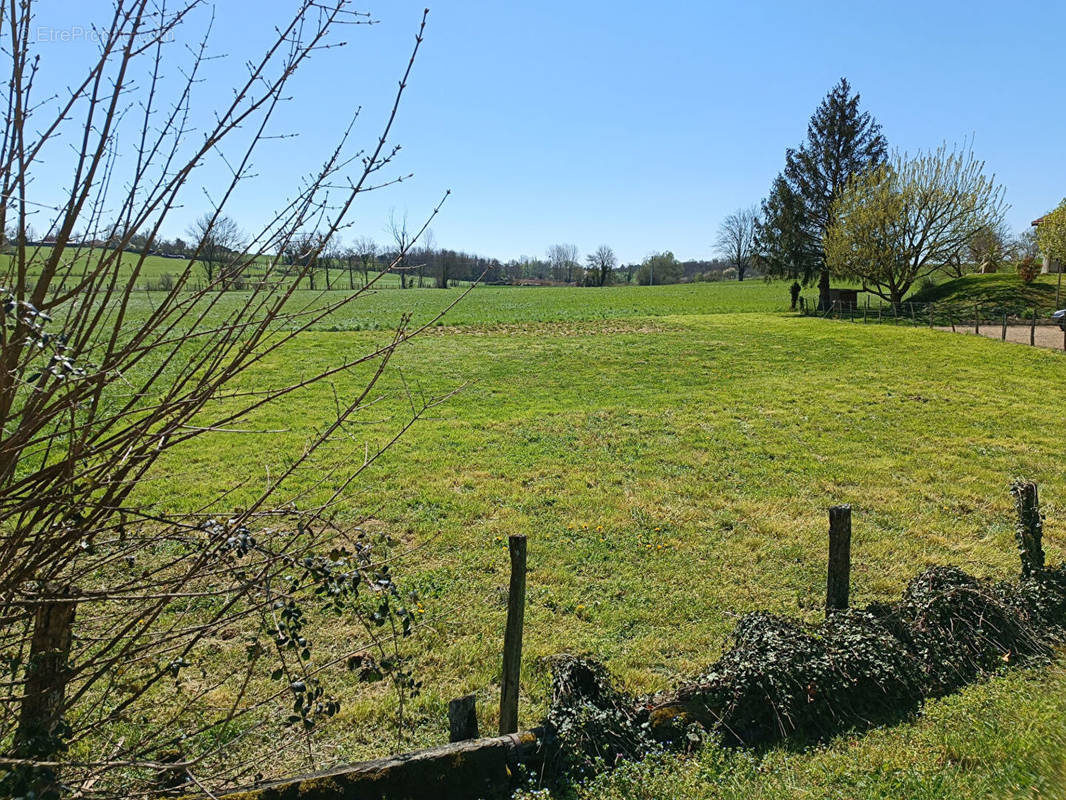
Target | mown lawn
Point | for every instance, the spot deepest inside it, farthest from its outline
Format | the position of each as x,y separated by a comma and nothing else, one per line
671,471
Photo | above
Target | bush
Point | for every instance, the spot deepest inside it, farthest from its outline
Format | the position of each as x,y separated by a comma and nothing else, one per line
1027,270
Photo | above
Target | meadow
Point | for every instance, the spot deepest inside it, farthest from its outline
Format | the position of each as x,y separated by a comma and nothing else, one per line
671,460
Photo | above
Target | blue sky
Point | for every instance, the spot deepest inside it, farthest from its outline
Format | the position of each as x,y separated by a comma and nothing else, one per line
636,125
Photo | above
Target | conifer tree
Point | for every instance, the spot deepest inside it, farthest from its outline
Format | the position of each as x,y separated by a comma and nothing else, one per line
841,141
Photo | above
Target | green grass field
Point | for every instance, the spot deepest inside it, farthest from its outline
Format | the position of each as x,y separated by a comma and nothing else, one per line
156,268
671,463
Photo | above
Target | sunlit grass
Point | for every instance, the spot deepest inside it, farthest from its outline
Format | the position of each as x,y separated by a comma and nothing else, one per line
671,473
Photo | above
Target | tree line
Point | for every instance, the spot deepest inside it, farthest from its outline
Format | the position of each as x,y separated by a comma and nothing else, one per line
219,248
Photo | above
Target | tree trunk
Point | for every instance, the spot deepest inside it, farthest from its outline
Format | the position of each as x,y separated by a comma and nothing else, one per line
896,298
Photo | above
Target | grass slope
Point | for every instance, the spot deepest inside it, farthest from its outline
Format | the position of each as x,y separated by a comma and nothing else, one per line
1002,291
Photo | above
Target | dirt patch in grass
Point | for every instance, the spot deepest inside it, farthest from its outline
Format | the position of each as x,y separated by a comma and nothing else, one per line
1044,336
604,327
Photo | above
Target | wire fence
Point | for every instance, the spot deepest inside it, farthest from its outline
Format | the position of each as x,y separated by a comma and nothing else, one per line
1033,325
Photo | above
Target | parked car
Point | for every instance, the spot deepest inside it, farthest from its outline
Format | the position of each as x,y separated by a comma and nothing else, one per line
1060,317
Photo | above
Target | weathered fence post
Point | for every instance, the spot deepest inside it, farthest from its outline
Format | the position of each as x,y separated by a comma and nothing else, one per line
462,719
1030,526
977,318
839,577
951,319
512,639
47,670
1003,335
1032,329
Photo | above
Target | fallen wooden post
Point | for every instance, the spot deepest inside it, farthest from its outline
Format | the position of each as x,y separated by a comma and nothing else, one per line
838,580
483,768
512,639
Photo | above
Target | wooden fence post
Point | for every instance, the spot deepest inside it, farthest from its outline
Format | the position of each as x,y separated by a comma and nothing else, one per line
1032,329
462,719
1030,528
977,318
951,319
838,580
930,315
512,639
1003,335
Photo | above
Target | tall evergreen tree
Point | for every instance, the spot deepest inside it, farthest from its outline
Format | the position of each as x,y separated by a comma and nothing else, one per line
841,141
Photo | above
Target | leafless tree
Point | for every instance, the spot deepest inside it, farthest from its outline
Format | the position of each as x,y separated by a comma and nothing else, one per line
1025,245
736,239
403,239
601,265
219,242
562,259
366,250
97,383
332,256
424,255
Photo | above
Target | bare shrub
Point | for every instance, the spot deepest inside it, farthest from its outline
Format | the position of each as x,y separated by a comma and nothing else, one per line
98,382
